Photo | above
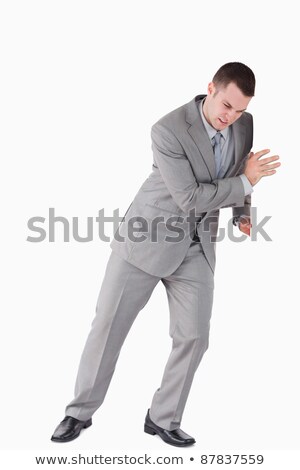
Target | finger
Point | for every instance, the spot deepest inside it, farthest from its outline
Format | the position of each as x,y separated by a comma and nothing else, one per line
259,154
271,166
245,221
245,218
264,161
268,173
245,224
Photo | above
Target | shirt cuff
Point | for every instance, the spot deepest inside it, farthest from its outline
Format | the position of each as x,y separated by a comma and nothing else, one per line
248,188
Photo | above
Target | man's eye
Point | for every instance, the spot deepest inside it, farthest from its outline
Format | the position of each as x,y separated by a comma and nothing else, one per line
227,105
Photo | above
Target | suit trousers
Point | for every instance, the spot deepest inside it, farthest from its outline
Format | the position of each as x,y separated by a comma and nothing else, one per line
124,292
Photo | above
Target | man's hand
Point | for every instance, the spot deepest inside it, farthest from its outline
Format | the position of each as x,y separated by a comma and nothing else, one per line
245,225
255,168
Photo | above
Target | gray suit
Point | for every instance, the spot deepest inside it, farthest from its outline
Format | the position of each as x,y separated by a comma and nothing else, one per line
182,181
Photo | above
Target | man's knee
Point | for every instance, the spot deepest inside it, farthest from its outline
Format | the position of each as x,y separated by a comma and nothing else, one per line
199,341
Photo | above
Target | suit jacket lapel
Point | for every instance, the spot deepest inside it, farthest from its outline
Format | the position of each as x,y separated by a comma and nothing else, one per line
198,133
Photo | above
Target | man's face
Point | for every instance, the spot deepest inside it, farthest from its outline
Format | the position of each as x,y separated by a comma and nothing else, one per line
223,106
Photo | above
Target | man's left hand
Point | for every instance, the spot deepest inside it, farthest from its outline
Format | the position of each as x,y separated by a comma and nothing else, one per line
245,225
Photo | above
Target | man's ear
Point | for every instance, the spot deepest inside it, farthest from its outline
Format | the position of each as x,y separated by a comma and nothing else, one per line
211,88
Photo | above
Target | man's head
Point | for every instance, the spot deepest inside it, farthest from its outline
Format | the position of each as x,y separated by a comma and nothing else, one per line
228,94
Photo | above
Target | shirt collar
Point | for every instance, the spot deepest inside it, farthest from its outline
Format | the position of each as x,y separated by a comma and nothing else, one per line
209,129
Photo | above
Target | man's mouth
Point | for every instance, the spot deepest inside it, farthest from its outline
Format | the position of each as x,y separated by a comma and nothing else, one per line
223,122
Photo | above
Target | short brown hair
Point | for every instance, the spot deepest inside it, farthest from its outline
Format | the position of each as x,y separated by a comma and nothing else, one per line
237,73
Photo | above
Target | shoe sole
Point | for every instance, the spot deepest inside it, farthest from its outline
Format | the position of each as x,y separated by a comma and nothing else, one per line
151,431
85,426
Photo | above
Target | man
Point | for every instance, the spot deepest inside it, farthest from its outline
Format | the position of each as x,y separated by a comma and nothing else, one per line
202,162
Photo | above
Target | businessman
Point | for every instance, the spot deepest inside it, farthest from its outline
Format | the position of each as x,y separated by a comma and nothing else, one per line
202,162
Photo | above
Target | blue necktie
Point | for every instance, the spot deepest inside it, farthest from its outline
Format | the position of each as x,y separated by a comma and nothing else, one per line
216,141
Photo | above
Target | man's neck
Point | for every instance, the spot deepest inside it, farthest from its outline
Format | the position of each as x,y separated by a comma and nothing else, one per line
205,111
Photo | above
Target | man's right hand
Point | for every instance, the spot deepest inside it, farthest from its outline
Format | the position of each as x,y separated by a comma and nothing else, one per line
255,168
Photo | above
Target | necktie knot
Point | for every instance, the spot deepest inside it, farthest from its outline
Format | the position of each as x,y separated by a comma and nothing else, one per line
217,138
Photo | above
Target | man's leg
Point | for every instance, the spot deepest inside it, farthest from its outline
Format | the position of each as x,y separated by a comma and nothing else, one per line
124,292
190,296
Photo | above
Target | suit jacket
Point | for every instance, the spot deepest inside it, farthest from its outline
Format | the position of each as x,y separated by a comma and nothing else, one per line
183,181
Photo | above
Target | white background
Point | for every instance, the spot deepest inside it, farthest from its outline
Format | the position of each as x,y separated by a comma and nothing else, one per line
81,85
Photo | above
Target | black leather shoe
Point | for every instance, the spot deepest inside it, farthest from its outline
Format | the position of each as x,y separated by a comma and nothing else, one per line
69,429
176,438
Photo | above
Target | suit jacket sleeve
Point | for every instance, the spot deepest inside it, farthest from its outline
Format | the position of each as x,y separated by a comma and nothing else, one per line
245,209
177,173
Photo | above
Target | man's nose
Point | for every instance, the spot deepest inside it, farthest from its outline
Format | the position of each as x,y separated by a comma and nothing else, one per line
231,113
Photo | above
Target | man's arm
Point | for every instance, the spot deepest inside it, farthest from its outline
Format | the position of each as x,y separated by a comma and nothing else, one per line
180,180
255,169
